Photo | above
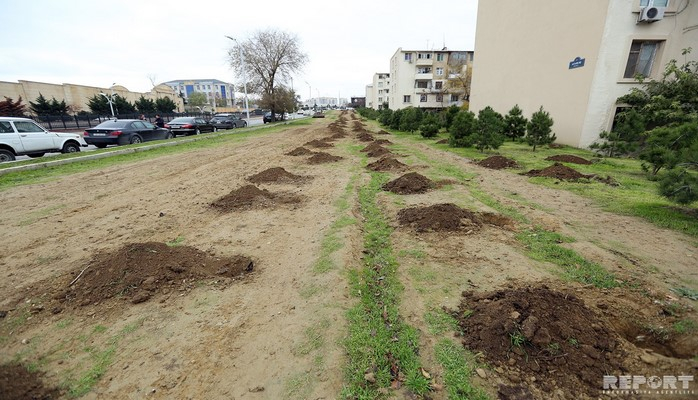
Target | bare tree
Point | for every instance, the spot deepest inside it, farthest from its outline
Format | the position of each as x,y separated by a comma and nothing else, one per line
459,78
267,59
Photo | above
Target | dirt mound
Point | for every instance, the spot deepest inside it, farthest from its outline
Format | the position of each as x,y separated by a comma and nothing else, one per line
409,183
319,144
321,158
558,171
542,333
137,271
365,137
382,141
442,141
300,151
569,158
338,135
497,162
276,174
250,196
387,164
379,152
17,383
439,217
382,132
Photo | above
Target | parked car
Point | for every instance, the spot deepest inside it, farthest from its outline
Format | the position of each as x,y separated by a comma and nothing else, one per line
318,114
23,136
124,131
267,117
188,126
227,121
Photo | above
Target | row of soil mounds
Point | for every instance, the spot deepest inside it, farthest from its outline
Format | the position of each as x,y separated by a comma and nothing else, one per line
137,271
542,333
501,162
448,217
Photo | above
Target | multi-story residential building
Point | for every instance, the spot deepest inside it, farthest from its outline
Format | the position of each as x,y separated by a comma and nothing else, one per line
428,78
222,92
327,102
575,58
377,92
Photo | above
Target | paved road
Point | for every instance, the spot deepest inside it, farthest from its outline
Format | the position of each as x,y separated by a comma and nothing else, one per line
253,121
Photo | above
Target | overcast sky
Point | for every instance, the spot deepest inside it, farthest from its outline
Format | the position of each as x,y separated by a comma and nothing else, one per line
128,42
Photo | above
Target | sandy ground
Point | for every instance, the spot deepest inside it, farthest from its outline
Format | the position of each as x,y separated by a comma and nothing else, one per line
277,332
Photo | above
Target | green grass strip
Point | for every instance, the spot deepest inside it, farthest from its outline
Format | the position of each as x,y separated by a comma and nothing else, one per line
378,341
458,367
545,246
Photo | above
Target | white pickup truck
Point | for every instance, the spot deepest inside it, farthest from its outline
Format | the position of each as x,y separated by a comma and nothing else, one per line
23,136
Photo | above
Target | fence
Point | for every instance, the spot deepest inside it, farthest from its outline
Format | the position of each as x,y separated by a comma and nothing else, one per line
84,121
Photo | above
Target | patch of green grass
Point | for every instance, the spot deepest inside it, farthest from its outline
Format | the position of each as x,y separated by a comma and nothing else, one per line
175,242
40,214
458,367
314,338
64,323
412,253
310,290
99,329
545,246
438,322
684,326
378,338
299,386
491,202
686,292
517,339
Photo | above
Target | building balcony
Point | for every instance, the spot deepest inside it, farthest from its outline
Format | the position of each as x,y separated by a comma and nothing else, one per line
428,76
424,61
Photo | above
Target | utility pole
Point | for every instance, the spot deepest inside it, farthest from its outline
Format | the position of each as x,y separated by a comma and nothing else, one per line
244,76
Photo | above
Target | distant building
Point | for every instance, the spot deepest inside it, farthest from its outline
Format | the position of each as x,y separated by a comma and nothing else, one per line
426,78
377,92
575,58
327,102
222,92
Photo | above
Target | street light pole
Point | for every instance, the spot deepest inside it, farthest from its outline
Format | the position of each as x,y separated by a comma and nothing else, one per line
244,76
110,100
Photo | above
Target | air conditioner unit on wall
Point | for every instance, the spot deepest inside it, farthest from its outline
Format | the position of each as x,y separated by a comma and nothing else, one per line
651,13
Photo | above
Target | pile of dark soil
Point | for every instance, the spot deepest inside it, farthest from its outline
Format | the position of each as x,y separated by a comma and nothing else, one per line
439,217
607,180
375,150
321,158
137,271
559,171
382,132
382,141
250,196
365,137
300,151
276,174
358,126
442,141
410,183
17,383
569,158
319,144
497,162
540,333
338,135
387,164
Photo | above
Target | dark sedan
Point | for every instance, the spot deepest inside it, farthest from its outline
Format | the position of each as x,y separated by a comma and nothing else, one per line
188,126
227,122
124,131
277,117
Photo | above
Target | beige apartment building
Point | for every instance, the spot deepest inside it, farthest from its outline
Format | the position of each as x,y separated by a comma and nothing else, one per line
77,96
425,78
575,58
377,92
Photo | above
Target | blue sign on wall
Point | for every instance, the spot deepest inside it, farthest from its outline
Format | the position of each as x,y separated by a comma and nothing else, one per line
577,62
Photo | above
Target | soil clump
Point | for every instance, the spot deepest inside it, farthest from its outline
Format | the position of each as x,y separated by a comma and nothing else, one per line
319,144
497,162
17,383
322,158
569,159
386,164
559,171
439,217
365,137
250,196
542,333
410,183
274,175
300,151
138,271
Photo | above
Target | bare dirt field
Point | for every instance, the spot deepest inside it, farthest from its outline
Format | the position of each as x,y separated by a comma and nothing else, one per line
205,274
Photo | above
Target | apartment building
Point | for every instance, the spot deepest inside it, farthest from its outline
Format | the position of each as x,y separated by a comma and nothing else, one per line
429,79
218,93
377,92
575,58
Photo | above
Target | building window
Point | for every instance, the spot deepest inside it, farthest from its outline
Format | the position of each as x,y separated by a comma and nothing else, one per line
424,70
438,85
408,56
440,57
380,99
422,84
439,98
641,58
424,56
380,84
439,71
656,3
422,98
387,90
406,99
454,97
